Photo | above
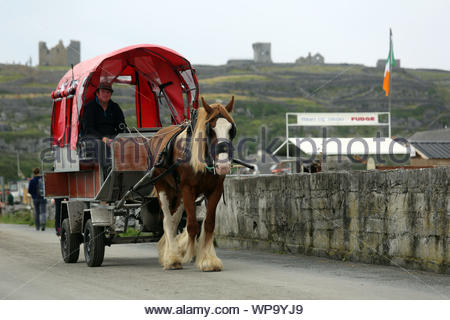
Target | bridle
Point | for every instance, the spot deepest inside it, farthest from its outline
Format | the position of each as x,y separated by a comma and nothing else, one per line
221,147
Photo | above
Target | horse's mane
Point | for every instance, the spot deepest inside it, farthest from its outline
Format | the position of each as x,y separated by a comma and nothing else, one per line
198,150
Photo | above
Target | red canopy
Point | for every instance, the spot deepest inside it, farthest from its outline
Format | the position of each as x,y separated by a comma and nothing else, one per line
158,73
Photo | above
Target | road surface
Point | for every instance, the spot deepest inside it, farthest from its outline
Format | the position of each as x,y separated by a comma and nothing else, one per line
31,267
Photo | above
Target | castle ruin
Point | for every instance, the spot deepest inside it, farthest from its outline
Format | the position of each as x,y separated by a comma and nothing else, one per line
261,52
59,55
311,60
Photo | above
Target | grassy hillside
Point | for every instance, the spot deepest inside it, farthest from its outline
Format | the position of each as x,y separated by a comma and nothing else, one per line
263,93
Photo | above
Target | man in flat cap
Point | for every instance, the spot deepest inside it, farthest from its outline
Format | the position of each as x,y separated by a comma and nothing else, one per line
102,120
103,117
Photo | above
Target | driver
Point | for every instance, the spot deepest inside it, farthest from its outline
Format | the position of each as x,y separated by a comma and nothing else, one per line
102,116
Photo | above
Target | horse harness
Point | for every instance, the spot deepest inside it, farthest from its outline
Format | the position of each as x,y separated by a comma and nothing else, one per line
221,147
164,159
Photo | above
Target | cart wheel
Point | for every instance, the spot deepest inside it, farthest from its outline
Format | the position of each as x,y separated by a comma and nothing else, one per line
70,243
94,244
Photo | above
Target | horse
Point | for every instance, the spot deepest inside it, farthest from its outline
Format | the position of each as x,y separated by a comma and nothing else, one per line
200,159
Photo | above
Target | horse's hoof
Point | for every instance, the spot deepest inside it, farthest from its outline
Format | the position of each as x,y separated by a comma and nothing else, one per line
174,266
211,264
212,269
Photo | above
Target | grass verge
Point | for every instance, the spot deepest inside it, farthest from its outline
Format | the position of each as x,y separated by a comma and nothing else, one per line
22,217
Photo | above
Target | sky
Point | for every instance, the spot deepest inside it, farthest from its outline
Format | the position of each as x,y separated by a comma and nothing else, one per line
212,32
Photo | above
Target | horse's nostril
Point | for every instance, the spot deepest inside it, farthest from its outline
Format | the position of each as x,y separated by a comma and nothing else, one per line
222,170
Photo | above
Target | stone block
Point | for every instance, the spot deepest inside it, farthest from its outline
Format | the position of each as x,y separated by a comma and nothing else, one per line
321,239
297,234
308,237
305,203
429,225
352,205
337,241
401,246
260,228
354,225
336,223
398,225
430,249
301,183
447,252
354,242
354,182
370,181
418,203
321,203
321,222
372,243
397,181
416,179
375,225
338,200
438,203
398,215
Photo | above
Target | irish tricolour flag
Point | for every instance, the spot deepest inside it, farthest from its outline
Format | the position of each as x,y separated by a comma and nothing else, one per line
390,62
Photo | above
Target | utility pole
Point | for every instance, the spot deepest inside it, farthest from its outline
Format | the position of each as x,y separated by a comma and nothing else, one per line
391,56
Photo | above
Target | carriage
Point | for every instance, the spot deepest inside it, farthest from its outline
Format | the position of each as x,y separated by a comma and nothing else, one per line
155,172
96,196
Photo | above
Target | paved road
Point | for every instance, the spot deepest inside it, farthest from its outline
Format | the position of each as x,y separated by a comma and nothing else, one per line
31,268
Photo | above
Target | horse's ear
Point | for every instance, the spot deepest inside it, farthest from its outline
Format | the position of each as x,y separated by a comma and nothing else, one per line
206,106
230,105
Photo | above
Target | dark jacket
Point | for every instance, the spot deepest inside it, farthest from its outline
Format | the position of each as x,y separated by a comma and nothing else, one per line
33,188
99,123
10,200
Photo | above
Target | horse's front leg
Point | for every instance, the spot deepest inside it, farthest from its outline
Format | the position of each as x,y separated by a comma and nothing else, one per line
186,240
206,254
169,253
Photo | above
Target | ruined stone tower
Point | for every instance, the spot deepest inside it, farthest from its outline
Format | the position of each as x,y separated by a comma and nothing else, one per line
261,52
59,55
73,52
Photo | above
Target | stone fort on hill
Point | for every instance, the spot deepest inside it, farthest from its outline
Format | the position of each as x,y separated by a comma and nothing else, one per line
65,56
262,55
59,55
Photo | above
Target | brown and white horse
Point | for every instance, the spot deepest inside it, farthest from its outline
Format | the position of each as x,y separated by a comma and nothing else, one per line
206,155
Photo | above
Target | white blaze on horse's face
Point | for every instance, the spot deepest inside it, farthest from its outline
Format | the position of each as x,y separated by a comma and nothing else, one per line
222,131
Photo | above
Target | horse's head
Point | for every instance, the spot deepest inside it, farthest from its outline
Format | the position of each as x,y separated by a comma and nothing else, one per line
220,130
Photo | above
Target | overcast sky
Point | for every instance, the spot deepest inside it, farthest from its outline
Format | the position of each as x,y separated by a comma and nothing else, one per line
211,32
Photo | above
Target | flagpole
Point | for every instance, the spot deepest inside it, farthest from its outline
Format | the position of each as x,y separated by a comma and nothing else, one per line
390,71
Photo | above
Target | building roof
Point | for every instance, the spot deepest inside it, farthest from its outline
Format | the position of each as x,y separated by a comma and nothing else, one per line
440,135
433,150
433,144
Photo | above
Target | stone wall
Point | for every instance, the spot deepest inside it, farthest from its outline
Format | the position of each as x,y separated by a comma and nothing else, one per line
398,217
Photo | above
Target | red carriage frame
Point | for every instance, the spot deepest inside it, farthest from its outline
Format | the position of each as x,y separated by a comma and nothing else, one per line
155,71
